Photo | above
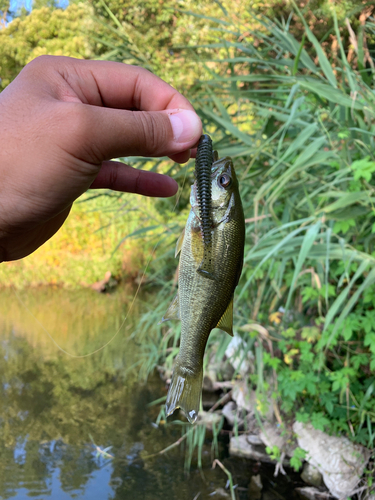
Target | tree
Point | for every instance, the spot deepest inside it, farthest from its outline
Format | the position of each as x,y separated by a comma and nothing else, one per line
44,31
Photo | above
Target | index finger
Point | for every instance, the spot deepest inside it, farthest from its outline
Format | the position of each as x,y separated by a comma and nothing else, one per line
115,85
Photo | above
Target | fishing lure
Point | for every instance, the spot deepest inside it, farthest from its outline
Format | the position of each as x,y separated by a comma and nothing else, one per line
203,165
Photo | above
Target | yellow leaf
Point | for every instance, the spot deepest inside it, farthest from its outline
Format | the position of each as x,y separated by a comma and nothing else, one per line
275,317
288,357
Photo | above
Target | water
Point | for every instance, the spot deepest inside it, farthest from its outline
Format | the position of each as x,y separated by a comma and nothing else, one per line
57,413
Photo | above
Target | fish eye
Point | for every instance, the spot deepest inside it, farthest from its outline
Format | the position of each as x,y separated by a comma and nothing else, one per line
225,180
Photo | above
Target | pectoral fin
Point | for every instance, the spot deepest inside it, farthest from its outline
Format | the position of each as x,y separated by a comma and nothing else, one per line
226,321
179,243
173,311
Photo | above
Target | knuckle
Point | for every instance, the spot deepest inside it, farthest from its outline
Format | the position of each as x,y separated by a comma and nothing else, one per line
42,60
76,132
153,135
113,176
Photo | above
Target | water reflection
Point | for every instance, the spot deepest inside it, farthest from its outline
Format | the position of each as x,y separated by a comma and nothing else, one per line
54,407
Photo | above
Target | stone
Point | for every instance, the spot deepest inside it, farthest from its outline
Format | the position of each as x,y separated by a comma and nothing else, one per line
255,488
340,461
230,411
311,493
273,435
240,447
220,493
208,384
239,356
254,439
208,419
244,398
311,475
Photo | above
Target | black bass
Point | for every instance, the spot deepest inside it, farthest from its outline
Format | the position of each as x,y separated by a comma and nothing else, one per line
212,247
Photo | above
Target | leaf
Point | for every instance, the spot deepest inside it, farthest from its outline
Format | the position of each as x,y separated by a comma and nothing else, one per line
345,200
335,307
296,61
307,243
272,251
369,281
323,61
228,125
331,94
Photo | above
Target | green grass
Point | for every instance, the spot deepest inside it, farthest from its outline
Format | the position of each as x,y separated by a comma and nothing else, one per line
298,120
299,124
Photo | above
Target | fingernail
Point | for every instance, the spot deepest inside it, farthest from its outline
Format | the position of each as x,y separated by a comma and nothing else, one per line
186,125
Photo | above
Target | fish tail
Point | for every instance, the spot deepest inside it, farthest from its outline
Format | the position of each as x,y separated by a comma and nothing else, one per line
185,392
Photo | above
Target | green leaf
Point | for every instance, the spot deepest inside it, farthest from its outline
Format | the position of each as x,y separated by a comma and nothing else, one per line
296,61
335,307
323,61
307,243
369,281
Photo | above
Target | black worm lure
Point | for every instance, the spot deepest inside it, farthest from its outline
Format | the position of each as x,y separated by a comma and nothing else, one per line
203,164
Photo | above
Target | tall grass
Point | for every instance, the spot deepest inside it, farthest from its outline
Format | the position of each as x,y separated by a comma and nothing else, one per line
298,120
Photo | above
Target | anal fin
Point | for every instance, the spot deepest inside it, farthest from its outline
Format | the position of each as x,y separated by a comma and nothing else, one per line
226,321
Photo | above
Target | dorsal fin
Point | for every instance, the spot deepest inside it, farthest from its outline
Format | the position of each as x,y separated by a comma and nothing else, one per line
179,243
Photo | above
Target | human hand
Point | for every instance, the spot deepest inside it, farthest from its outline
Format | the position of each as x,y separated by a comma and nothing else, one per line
61,120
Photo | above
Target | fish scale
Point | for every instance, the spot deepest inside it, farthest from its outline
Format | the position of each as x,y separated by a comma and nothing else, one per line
204,302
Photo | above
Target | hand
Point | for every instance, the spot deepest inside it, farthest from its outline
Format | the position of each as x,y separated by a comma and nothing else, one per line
61,120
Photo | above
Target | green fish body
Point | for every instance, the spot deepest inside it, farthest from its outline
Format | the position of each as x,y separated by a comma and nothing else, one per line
205,302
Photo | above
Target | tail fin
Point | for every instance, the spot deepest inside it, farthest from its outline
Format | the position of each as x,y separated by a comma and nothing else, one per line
185,392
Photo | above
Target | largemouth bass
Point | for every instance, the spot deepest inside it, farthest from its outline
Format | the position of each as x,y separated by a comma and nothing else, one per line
210,268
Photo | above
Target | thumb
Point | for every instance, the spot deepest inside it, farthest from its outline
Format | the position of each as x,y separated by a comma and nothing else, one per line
115,133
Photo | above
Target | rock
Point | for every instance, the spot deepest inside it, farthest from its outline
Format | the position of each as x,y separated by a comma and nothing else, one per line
220,493
254,439
255,488
311,475
208,419
244,397
310,493
240,447
208,384
230,411
339,460
239,356
268,495
273,435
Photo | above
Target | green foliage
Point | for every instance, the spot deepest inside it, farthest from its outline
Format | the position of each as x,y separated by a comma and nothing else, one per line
274,452
297,459
294,106
44,31
95,239
306,161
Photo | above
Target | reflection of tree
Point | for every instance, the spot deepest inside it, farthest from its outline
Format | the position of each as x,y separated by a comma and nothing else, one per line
50,404
47,397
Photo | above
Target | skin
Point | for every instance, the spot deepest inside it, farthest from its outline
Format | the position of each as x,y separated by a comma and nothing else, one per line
61,121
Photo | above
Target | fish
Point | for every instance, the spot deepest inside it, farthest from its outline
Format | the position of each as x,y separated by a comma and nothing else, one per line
211,249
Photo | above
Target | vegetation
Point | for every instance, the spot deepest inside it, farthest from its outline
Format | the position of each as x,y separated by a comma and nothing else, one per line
306,175
292,101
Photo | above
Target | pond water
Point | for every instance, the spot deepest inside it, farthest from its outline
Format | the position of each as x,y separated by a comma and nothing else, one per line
57,411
